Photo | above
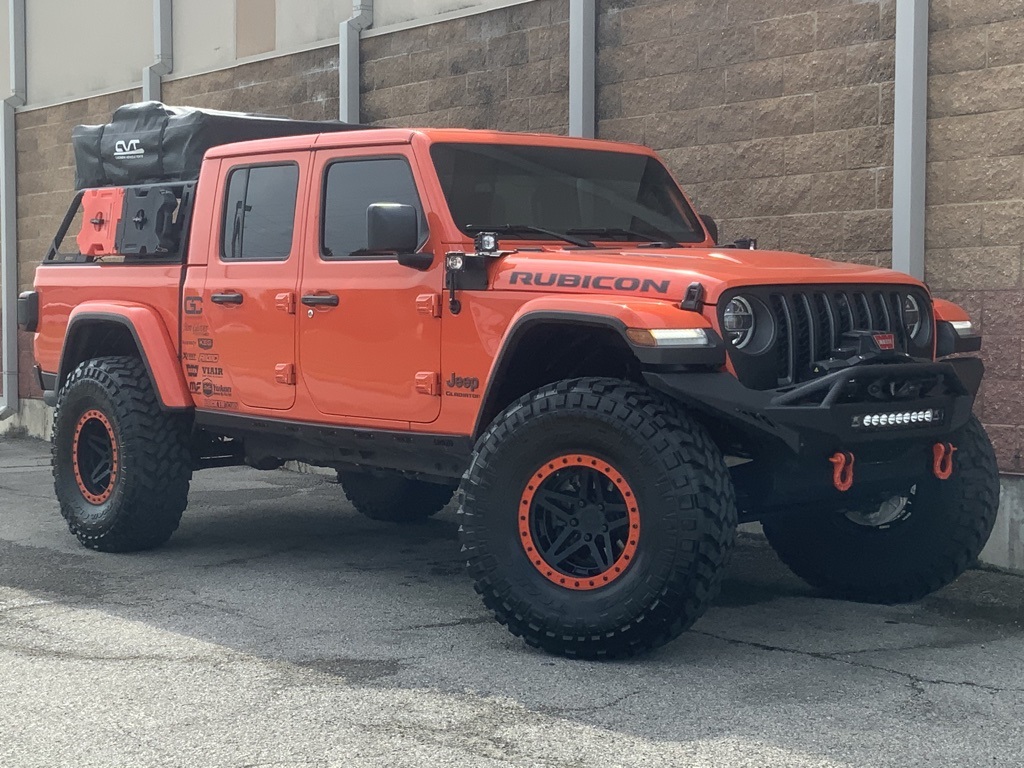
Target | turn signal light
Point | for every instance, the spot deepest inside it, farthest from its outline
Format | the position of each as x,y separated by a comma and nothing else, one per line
899,419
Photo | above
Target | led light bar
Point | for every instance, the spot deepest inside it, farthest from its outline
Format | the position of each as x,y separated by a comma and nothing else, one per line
898,419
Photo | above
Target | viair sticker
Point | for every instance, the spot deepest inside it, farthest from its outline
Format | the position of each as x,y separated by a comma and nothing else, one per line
596,282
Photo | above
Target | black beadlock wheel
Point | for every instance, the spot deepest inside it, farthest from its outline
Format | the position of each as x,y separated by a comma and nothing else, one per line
907,547
393,498
121,465
597,518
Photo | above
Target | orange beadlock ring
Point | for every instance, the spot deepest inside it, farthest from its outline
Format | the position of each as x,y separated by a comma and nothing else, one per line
631,524
94,495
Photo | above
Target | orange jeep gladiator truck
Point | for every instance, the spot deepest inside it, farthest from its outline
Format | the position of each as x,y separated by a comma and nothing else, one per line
541,324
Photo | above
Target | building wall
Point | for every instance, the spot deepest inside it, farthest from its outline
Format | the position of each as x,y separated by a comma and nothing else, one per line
504,69
115,37
975,226
776,116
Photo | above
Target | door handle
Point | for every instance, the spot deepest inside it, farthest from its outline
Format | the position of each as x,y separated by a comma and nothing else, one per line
320,300
226,298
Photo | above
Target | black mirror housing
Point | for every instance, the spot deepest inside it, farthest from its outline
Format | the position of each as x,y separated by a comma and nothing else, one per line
394,228
711,225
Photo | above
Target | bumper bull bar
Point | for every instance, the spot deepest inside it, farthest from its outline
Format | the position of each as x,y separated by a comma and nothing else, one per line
827,413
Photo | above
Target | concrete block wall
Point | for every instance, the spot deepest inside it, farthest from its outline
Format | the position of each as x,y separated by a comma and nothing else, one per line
776,116
975,194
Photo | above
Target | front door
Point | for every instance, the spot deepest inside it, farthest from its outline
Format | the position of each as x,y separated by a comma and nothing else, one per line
247,356
369,328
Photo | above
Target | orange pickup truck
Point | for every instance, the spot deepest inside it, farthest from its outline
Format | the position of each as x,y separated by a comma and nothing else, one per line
543,324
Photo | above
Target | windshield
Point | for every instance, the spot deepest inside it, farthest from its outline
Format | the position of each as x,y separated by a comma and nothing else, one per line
525,189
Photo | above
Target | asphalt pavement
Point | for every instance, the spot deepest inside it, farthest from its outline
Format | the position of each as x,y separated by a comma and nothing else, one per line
280,628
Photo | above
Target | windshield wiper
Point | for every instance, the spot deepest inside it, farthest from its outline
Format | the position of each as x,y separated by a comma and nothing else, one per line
660,240
522,229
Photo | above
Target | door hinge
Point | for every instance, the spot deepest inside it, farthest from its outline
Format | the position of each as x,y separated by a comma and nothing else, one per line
285,302
428,383
429,304
284,373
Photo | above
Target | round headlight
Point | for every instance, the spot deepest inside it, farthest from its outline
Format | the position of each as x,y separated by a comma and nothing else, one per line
738,322
911,316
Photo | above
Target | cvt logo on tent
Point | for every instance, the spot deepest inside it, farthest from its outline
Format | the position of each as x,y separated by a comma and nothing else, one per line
125,150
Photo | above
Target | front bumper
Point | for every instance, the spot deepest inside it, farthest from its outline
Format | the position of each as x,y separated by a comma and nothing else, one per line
790,433
818,415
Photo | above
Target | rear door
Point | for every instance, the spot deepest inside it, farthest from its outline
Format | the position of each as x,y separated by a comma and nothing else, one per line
247,353
369,328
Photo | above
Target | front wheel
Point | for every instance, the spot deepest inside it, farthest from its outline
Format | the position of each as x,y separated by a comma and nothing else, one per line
596,518
906,547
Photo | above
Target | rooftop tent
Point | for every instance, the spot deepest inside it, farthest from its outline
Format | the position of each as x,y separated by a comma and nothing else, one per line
151,142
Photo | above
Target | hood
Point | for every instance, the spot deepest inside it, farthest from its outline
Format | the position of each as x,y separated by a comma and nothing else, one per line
666,272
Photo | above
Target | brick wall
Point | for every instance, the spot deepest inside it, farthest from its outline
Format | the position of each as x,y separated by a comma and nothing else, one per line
505,69
975,224
776,116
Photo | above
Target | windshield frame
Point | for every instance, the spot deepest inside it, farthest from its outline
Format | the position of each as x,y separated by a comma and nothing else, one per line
682,202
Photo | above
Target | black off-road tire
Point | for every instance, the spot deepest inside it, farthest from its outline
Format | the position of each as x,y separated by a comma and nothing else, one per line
685,507
393,498
937,537
144,494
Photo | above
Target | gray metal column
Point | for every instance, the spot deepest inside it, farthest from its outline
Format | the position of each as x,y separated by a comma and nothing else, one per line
582,52
910,136
163,50
348,59
9,212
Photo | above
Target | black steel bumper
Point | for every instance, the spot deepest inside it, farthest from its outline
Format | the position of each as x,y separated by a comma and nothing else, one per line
791,433
819,415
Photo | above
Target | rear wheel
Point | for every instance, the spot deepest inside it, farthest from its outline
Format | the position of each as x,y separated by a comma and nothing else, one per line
907,546
121,465
596,518
393,498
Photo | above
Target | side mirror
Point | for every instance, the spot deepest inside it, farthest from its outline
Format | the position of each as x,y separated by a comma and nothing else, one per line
394,228
711,225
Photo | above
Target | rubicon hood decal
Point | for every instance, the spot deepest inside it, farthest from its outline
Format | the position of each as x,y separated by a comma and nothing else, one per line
589,282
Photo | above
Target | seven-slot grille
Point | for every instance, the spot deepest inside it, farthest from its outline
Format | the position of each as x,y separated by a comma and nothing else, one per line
811,320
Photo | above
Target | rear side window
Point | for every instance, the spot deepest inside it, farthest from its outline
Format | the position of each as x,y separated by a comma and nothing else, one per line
259,213
352,186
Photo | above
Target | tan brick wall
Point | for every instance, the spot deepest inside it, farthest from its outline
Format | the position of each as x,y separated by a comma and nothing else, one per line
506,69
776,116
975,225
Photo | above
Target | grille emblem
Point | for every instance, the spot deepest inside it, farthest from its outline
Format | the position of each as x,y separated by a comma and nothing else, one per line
885,341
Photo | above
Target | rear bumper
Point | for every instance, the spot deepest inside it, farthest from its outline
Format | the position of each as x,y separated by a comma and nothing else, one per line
791,433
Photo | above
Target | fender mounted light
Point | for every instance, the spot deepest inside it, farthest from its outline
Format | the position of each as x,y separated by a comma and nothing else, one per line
668,337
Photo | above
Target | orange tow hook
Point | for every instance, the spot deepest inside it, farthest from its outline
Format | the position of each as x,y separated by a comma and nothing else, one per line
842,470
942,460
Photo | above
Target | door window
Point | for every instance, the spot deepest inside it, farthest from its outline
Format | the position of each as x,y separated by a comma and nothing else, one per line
259,213
352,186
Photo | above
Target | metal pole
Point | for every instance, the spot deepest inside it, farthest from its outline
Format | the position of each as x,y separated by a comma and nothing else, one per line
9,400
582,52
163,50
910,135
348,59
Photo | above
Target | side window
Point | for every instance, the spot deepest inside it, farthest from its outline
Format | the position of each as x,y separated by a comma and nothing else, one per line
352,186
259,213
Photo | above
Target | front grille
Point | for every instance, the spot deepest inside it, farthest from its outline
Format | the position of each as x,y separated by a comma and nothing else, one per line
809,324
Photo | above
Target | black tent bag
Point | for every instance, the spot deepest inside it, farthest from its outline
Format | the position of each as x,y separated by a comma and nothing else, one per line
151,142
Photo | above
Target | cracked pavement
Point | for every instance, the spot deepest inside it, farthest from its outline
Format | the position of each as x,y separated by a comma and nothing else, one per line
280,628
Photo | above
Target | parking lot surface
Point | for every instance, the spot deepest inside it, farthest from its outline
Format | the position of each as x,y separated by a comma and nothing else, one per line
280,628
